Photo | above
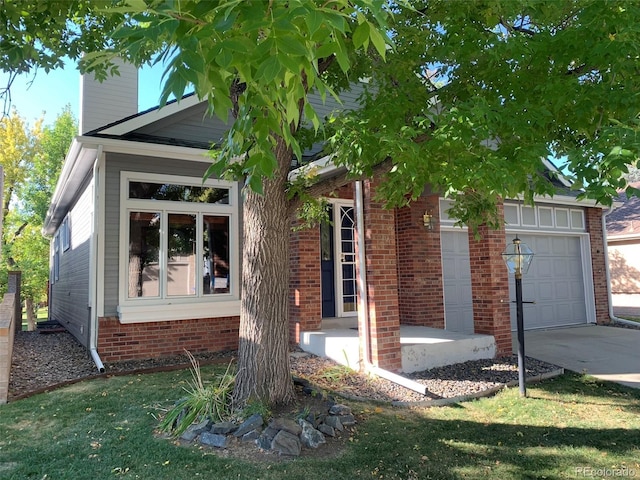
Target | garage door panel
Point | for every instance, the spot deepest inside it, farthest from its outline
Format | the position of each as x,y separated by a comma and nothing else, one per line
557,279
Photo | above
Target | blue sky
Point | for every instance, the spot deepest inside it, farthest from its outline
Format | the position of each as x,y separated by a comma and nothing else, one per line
50,93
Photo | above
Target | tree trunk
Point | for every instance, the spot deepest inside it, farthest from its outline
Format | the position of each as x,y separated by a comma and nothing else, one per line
264,373
31,314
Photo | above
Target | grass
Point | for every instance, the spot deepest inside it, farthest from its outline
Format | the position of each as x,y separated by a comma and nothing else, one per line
103,429
41,314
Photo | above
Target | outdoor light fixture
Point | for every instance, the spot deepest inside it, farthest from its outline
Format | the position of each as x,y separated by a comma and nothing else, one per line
518,257
428,220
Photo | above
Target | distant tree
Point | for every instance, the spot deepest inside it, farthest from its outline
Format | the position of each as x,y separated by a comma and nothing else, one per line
33,159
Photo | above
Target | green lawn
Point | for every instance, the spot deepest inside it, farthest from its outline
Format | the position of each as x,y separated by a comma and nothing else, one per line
103,429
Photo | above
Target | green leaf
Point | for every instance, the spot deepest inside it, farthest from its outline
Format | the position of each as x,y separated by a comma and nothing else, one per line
361,35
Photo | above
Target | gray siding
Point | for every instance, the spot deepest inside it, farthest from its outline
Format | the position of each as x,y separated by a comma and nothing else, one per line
116,163
69,301
194,125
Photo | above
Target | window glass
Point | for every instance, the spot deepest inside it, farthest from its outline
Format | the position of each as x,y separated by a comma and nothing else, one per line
144,246
215,252
181,254
178,193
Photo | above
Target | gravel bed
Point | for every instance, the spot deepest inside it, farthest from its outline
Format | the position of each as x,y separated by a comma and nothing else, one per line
42,361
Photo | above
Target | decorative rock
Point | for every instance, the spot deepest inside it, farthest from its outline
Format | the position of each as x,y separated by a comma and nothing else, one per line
334,422
286,424
311,437
266,437
251,423
214,440
192,432
286,443
327,430
223,428
347,420
340,409
252,435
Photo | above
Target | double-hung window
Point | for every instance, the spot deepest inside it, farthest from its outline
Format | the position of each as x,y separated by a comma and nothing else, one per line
178,244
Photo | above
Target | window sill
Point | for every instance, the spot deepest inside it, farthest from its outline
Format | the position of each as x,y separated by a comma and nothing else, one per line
181,311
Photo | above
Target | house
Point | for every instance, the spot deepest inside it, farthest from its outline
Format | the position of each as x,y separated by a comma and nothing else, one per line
145,258
623,241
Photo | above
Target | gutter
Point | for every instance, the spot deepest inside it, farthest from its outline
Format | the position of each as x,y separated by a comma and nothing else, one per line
608,273
363,306
93,327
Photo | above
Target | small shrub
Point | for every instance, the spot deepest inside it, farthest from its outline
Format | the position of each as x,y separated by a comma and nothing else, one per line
202,401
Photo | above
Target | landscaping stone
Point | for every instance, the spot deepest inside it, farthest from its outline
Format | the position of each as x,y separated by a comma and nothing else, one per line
223,428
334,422
286,443
192,432
214,440
340,409
310,437
347,420
287,424
252,436
251,423
327,430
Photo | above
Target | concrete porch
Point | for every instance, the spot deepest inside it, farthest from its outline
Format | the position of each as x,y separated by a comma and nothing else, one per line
422,347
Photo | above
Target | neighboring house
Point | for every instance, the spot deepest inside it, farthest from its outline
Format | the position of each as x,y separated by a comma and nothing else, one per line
145,258
623,240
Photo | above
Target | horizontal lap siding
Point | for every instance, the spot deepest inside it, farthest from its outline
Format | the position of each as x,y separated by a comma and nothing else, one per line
69,302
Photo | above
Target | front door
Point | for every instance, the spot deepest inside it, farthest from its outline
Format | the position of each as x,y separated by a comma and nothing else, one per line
339,290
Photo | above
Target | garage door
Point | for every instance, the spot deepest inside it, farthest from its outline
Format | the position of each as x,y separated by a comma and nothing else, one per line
555,282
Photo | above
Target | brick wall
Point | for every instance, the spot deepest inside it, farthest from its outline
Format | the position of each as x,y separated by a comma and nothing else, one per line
596,237
118,341
490,287
420,265
382,279
305,300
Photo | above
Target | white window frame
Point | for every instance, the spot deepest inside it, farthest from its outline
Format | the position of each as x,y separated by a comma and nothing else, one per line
65,234
165,307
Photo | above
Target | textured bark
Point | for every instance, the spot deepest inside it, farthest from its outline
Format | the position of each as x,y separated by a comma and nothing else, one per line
263,356
31,314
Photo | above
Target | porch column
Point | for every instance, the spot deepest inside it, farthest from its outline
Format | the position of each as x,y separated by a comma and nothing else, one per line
305,301
420,264
382,282
490,286
593,218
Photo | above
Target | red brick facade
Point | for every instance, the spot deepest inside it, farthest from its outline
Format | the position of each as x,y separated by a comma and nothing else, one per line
419,264
118,341
490,287
305,293
405,286
382,282
596,237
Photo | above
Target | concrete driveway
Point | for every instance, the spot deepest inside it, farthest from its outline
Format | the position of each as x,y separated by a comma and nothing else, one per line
607,353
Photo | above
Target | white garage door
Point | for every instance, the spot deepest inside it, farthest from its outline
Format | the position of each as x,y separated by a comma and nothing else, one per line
555,282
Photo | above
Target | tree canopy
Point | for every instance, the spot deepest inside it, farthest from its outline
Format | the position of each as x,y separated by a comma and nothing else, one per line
466,97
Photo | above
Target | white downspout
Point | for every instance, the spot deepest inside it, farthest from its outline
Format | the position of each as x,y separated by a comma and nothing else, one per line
93,295
608,273
363,306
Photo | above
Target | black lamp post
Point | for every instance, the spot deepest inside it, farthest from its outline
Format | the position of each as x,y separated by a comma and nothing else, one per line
517,257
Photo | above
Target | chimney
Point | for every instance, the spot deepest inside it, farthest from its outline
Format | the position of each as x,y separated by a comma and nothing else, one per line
110,101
